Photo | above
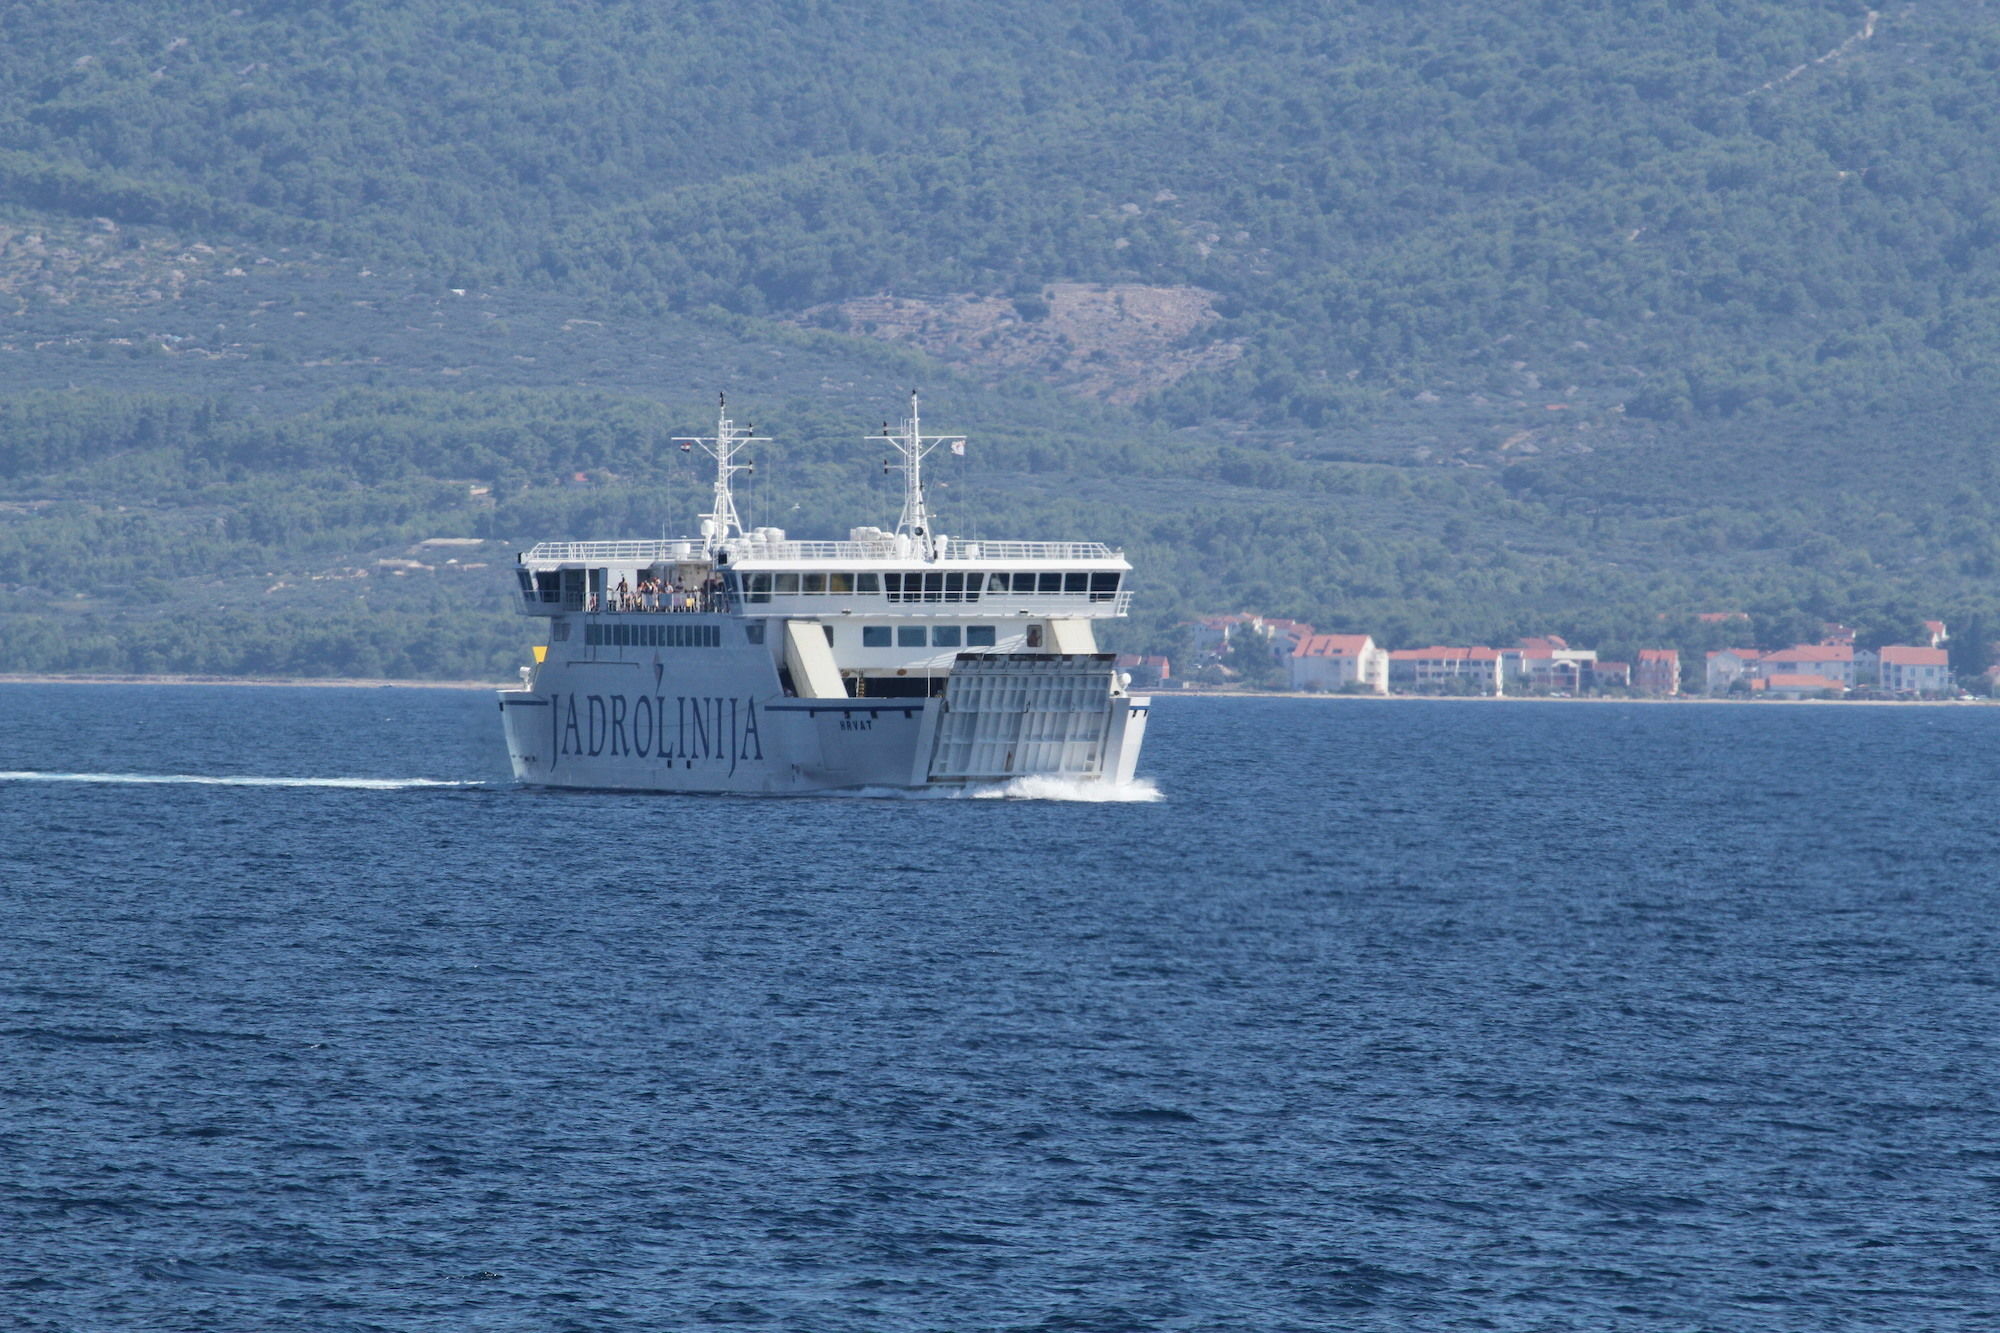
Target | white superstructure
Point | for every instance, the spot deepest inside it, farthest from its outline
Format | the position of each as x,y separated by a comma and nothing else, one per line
743,661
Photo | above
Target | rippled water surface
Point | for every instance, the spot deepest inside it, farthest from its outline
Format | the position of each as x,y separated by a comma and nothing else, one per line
1384,1016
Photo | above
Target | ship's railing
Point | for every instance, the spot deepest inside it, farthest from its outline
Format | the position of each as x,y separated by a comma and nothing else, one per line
957,549
644,553
751,548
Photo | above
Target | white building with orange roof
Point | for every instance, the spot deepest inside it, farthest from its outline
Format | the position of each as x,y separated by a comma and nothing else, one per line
1335,661
1659,671
1438,666
1908,670
1726,666
1835,661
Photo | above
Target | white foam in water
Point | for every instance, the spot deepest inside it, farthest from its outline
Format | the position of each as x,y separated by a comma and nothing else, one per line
200,780
1019,789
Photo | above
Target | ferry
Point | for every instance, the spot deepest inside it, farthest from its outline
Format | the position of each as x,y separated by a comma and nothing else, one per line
748,662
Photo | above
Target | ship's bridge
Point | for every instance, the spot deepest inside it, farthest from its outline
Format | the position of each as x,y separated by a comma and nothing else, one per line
873,573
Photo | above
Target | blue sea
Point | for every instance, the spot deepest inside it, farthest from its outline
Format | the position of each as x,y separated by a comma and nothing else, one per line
1382,1016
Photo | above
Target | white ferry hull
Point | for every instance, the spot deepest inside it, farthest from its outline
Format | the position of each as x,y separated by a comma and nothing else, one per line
717,721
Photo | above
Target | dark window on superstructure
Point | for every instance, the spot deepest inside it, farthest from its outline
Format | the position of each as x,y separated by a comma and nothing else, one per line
812,583
867,583
1103,586
874,636
757,588
1051,583
1076,582
979,636
909,636
944,636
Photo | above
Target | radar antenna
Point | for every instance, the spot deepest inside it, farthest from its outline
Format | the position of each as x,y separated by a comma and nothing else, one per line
721,523
913,445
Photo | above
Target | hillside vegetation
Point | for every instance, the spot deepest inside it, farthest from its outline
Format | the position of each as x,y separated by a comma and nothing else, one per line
1431,318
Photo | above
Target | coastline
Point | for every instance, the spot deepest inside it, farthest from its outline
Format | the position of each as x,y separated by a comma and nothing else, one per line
1649,700
376,683
293,682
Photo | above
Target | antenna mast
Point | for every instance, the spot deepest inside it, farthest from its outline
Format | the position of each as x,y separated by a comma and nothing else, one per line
913,444
721,522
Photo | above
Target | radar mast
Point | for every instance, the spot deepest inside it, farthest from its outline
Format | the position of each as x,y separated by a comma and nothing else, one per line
721,522
912,444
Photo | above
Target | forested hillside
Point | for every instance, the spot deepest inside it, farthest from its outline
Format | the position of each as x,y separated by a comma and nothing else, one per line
1431,318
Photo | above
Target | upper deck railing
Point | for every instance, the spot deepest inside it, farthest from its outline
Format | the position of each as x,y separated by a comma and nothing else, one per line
749,549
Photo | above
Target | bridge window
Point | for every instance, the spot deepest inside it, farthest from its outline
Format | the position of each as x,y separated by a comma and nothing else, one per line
757,588
1051,583
867,583
944,636
979,636
909,636
874,636
840,583
1076,583
1103,586
785,585
812,583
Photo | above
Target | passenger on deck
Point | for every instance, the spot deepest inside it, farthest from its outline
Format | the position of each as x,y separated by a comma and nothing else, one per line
624,595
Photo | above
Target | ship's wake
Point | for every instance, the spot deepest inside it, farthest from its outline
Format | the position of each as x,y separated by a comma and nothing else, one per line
1039,788
205,780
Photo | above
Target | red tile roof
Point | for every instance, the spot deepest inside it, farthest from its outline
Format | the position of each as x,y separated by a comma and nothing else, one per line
1331,645
1661,655
1897,654
1443,654
1813,652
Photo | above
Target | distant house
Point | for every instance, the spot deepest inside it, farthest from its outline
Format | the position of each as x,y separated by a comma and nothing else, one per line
1831,631
1146,672
1607,676
1726,666
1835,661
1796,685
1907,670
1721,617
1935,628
1333,661
1548,664
1430,668
1659,671
1215,635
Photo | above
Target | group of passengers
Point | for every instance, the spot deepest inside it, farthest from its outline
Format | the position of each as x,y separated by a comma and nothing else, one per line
665,594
